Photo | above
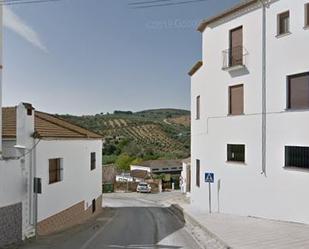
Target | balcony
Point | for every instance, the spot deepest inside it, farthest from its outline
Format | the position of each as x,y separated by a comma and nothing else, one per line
234,58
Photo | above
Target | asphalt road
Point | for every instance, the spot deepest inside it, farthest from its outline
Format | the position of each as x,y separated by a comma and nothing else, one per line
126,222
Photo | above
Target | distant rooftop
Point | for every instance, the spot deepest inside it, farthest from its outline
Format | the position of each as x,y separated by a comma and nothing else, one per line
160,163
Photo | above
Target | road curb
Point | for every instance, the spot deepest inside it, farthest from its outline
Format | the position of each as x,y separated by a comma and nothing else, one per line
185,217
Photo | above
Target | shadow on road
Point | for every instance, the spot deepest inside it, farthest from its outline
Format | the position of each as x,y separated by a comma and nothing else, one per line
123,227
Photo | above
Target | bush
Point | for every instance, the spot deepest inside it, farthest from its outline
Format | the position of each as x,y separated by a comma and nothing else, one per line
109,159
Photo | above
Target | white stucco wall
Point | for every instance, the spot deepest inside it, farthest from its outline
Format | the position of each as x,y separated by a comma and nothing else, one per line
244,191
8,149
12,183
79,182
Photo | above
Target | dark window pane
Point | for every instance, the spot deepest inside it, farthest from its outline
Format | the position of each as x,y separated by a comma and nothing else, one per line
198,106
296,156
298,91
236,100
198,172
236,152
92,160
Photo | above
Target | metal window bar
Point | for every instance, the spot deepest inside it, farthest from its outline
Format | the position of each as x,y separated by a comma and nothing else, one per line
296,156
236,56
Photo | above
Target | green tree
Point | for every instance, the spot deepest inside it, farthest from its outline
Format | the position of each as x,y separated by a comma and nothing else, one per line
124,161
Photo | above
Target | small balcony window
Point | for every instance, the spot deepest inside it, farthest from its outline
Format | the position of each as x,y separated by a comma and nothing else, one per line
235,56
236,100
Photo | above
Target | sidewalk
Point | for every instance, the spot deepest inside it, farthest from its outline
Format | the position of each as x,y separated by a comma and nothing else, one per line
247,232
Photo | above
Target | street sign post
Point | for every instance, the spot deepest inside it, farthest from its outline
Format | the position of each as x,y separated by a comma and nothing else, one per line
210,178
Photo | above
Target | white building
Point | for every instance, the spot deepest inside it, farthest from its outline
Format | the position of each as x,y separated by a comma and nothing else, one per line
159,166
185,181
67,159
250,102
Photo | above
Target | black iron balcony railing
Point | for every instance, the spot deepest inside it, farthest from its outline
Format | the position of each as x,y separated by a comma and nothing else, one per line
234,57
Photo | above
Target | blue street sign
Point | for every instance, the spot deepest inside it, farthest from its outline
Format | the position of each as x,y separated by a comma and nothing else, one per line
209,177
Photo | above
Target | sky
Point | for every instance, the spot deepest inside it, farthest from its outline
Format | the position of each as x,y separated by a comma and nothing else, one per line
93,56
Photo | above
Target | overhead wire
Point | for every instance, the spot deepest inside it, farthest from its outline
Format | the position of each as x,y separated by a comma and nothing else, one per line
161,3
16,2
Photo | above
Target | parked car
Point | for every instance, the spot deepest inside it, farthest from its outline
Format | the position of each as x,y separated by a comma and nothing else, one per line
143,187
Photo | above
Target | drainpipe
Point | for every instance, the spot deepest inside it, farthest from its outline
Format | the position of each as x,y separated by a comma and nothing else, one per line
1,50
264,107
35,206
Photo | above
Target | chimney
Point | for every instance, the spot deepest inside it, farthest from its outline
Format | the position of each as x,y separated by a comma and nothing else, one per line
24,125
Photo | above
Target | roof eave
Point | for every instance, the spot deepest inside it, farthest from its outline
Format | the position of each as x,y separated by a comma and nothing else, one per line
202,26
195,68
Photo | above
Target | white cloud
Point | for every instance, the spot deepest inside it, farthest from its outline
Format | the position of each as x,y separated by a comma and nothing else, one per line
16,24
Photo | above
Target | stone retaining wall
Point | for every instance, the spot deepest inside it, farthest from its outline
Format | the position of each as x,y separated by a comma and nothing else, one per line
10,224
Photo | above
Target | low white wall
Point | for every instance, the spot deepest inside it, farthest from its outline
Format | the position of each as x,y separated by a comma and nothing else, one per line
8,150
12,183
79,182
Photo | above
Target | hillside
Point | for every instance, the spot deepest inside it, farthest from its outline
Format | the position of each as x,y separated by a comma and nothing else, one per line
150,134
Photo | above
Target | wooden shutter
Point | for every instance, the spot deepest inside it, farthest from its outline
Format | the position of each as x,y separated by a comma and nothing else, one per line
237,100
236,46
54,170
298,91
307,14
284,23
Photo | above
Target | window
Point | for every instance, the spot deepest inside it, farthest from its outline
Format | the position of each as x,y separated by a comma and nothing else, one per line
307,15
92,160
198,171
298,91
93,205
236,153
29,111
55,170
198,100
236,100
296,156
284,23
236,47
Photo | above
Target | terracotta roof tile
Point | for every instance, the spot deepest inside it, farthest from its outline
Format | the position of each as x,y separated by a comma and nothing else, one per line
46,126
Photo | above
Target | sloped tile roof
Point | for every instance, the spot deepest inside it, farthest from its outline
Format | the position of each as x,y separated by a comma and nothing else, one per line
160,163
46,126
